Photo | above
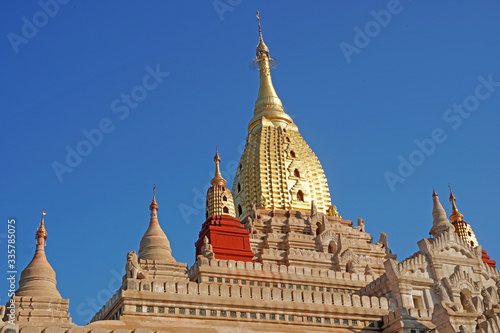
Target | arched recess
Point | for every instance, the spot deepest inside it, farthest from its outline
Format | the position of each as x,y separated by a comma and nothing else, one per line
296,173
300,196
318,228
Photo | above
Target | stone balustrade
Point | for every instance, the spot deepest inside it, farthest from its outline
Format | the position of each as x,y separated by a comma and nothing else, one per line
274,268
260,293
108,306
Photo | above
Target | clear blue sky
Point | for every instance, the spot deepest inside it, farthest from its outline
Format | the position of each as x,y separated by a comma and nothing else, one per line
359,101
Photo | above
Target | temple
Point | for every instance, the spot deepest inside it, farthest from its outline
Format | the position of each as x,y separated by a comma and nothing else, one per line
274,255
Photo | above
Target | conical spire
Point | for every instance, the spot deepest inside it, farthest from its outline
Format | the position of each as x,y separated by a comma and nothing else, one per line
261,47
455,214
462,228
154,244
277,169
38,278
218,179
440,221
268,103
219,197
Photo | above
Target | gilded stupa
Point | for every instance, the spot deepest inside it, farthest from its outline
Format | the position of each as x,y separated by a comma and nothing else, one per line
277,170
219,198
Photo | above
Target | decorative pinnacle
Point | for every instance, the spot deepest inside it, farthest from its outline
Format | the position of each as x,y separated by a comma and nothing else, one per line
434,194
258,20
216,157
262,48
41,233
455,214
153,205
218,179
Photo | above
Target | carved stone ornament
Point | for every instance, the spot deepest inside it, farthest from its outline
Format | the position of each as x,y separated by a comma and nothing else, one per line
133,269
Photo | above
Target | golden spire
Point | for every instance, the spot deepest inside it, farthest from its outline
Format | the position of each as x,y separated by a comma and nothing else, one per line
261,47
462,228
277,169
218,179
219,197
268,103
455,214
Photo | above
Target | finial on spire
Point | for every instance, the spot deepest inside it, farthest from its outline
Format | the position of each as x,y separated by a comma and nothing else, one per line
434,194
262,49
216,157
260,35
258,20
455,214
153,205
41,233
218,179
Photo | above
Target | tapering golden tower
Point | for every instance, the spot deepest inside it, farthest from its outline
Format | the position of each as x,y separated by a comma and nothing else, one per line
219,197
462,228
277,170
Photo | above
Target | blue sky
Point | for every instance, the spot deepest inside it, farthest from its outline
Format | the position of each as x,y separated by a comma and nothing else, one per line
373,86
